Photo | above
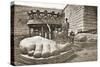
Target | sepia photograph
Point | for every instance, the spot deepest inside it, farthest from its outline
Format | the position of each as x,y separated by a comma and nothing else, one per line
50,33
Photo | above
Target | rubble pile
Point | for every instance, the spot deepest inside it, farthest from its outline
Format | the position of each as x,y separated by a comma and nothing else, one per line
83,37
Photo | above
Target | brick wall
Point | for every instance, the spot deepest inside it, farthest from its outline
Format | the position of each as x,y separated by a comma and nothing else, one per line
90,17
81,18
75,14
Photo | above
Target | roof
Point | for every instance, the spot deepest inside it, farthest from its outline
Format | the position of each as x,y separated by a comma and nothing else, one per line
34,22
40,22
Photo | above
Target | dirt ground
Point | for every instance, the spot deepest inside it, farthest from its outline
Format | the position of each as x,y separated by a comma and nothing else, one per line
84,55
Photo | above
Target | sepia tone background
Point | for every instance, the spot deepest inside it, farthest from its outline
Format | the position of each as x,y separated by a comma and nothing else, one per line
81,18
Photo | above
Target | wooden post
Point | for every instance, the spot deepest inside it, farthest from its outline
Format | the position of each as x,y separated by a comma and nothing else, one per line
51,32
42,31
49,35
45,35
29,31
32,31
49,27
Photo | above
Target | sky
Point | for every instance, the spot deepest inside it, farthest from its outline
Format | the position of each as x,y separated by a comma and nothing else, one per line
41,4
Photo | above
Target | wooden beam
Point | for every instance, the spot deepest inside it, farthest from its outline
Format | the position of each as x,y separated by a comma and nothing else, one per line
42,31
30,32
